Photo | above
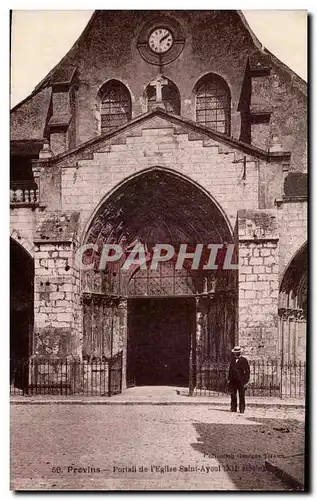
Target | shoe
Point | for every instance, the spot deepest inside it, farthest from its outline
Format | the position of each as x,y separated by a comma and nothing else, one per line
241,411
233,411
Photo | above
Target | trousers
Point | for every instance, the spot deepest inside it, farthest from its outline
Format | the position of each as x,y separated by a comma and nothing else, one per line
237,387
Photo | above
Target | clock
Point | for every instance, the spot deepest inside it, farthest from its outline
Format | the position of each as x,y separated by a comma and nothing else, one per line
160,40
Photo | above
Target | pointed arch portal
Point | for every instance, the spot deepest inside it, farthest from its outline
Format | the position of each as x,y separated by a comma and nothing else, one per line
168,322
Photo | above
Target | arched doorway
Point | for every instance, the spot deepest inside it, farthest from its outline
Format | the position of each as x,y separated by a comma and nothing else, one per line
293,309
169,322
21,309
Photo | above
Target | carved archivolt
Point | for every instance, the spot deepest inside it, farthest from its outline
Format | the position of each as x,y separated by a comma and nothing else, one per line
156,207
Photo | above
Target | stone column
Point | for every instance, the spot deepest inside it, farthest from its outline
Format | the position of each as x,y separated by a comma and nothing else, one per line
123,337
202,307
258,283
202,304
192,353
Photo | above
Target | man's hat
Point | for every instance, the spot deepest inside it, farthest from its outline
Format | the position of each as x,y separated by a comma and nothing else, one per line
236,350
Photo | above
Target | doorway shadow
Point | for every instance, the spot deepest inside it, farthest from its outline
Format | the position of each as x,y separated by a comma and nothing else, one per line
159,333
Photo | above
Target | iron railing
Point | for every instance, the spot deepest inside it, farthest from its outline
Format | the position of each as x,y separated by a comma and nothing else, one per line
94,376
103,377
270,378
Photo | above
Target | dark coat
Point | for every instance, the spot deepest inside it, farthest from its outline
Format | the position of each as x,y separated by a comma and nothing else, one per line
239,371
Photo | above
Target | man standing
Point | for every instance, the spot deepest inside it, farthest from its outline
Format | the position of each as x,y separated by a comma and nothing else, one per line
239,375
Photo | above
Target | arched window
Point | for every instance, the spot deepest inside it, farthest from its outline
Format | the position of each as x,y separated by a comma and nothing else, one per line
170,97
115,106
213,103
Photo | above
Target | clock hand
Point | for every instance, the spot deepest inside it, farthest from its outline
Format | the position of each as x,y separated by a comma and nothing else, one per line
165,36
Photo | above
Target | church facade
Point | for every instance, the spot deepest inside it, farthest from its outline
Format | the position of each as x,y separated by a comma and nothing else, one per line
171,128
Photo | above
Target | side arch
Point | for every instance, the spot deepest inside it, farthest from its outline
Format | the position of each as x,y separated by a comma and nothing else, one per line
293,280
293,308
289,250
21,311
24,242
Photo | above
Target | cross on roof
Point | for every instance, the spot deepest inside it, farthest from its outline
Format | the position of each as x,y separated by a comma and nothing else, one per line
158,83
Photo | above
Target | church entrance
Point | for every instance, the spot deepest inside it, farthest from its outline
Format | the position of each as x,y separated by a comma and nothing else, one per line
170,322
159,339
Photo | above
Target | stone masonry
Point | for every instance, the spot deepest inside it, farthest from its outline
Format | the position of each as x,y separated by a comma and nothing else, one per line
258,282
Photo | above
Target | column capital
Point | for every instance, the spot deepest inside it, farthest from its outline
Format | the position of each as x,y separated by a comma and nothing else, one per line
123,303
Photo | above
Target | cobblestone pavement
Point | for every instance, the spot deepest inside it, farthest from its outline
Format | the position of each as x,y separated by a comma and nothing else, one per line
179,447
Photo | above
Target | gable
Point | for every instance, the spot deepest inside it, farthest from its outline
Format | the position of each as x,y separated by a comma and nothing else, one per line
264,96
110,36
109,31
159,119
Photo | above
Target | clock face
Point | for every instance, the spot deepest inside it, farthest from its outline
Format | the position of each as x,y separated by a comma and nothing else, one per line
160,40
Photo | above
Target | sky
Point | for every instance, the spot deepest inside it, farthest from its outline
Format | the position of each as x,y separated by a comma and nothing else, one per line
40,38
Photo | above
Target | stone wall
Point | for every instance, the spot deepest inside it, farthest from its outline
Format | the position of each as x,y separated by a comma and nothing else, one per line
258,283
55,327
57,321
215,167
